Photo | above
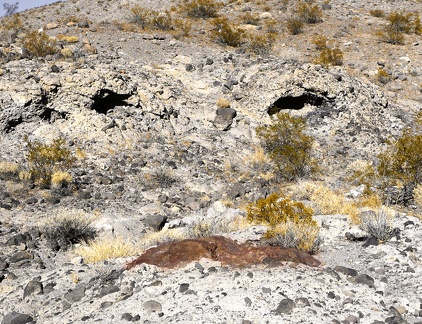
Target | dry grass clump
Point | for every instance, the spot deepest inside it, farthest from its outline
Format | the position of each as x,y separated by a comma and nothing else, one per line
39,44
147,18
326,201
378,224
61,183
249,18
213,226
151,239
300,236
9,170
69,227
105,249
328,55
223,103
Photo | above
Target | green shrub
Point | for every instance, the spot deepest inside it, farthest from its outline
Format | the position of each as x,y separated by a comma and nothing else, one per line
45,159
294,25
290,222
276,209
288,146
327,56
401,163
226,33
200,8
308,12
39,44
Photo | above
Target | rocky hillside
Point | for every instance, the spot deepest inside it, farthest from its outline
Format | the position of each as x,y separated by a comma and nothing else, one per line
162,126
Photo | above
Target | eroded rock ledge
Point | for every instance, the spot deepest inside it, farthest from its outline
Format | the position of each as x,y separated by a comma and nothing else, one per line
222,249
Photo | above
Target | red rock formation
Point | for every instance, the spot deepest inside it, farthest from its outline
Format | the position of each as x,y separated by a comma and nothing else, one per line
222,249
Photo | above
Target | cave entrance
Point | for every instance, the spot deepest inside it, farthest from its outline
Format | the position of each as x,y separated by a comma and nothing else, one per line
106,100
295,103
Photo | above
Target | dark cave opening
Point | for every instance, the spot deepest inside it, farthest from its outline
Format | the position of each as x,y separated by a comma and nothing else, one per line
295,103
105,100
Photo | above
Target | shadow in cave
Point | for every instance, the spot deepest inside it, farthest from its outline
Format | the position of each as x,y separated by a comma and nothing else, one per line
105,100
295,103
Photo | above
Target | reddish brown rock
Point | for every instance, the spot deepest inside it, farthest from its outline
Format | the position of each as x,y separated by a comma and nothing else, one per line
222,249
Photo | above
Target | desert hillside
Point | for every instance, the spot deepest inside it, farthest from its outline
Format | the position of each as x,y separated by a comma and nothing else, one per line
206,161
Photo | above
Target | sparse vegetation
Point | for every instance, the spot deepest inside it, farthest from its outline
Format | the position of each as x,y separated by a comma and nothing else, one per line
382,76
39,44
9,171
377,13
290,222
225,33
378,224
61,183
45,159
69,227
308,12
105,249
289,147
294,25
399,23
328,55
260,44
200,8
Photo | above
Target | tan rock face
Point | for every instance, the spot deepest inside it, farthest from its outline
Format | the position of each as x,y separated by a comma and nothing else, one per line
222,249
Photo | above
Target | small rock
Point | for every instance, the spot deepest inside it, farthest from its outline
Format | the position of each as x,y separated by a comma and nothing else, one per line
75,295
108,290
152,306
20,256
34,287
183,287
16,318
285,307
55,68
363,279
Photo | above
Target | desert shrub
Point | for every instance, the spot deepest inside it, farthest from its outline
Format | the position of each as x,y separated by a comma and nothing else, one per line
290,222
182,26
140,15
327,55
105,249
294,25
39,44
399,23
162,21
378,224
377,13
225,33
200,8
61,183
12,23
69,227
9,171
45,159
206,226
288,146
249,18
160,178
308,12
302,236
382,76
164,236
276,209
260,44
401,162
